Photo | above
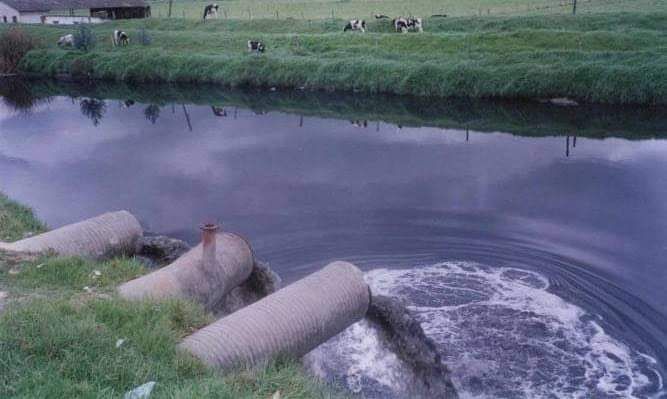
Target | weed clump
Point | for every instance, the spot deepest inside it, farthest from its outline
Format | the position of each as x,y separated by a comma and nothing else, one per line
84,38
14,45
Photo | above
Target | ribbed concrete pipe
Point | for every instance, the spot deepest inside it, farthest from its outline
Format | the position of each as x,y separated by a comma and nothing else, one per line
293,320
113,233
192,277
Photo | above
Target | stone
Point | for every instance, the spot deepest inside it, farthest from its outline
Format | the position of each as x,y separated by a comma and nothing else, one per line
563,102
157,251
141,392
261,282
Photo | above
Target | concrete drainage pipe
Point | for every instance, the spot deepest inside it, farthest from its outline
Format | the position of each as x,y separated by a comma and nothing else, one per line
114,233
204,274
292,321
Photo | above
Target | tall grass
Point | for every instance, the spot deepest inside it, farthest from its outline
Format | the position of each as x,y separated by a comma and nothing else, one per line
17,220
610,58
14,44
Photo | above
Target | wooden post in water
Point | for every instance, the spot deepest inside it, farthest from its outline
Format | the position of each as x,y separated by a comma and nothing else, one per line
187,117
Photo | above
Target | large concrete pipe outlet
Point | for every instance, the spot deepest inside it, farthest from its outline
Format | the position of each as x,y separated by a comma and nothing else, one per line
204,274
293,320
114,233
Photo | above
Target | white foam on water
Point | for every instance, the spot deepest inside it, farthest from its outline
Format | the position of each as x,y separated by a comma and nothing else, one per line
504,335
501,333
363,360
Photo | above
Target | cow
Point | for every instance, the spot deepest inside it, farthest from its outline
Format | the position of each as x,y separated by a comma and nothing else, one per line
67,40
120,38
356,24
415,24
256,46
400,24
211,11
404,25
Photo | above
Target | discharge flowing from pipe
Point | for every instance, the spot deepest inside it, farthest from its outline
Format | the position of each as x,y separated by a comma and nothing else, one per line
204,274
291,321
110,234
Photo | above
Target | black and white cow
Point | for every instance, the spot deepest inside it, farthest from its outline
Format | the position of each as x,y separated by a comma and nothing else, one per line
211,11
120,38
256,46
415,24
400,24
404,25
65,41
356,24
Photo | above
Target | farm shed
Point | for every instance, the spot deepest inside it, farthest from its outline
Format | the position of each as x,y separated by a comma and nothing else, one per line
70,11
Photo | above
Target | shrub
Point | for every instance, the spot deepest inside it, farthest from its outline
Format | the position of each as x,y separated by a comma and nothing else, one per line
14,44
84,38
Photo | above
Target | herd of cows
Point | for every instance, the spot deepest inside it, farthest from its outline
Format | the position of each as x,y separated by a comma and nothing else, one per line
400,24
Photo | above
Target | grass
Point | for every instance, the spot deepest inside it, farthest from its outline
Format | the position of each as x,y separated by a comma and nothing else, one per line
59,340
17,220
600,58
319,9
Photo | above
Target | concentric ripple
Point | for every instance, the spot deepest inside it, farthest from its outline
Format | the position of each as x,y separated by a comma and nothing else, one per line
503,334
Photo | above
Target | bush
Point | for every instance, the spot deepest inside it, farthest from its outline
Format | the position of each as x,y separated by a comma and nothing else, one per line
14,44
84,38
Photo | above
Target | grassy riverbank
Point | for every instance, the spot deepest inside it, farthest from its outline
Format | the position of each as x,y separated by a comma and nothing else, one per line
604,58
59,340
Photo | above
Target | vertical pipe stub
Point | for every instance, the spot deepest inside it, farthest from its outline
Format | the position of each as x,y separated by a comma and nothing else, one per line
208,233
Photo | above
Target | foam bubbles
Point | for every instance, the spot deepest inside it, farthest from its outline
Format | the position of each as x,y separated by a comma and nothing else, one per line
505,335
502,334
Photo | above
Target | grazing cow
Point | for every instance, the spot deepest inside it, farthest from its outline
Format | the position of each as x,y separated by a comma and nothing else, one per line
400,24
120,38
127,104
67,40
404,25
415,24
256,46
211,11
356,24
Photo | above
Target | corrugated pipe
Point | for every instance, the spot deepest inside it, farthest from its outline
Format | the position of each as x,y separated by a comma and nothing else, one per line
114,233
204,274
293,320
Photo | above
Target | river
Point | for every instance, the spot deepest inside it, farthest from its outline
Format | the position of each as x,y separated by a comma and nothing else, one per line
530,240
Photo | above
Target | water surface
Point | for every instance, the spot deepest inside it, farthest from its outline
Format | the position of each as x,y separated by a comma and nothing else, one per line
534,255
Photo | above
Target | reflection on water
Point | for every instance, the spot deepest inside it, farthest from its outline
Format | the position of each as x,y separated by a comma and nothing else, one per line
413,193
